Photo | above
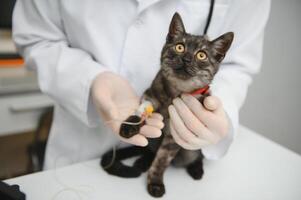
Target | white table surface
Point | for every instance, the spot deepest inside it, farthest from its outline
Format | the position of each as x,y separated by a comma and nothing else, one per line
254,168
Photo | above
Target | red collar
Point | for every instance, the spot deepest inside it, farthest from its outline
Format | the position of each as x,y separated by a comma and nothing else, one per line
203,90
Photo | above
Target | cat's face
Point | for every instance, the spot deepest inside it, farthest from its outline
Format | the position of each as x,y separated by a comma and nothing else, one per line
187,56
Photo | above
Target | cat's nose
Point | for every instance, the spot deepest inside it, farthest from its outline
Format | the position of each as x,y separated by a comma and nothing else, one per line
187,58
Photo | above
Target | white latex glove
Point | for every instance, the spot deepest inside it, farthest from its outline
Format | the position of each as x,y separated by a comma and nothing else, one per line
115,100
193,125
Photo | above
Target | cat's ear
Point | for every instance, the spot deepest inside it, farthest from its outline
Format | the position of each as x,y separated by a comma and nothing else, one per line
221,45
176,27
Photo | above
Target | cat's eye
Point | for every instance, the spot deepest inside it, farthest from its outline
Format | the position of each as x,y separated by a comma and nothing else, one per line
180,48
201,55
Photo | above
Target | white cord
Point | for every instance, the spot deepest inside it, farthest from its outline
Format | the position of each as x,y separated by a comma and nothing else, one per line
113,158
67,188
123,122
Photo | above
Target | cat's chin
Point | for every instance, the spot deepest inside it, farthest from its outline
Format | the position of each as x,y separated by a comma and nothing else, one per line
186,85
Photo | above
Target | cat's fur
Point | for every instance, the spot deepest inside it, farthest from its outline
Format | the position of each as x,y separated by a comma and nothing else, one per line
179,73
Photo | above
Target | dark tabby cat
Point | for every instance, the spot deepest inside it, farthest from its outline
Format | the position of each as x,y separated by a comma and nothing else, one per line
188,62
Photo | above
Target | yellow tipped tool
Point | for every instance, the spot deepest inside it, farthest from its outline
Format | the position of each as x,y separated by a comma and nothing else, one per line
149,110
145,109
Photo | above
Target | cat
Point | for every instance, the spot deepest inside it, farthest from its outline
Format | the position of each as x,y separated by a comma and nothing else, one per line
188,62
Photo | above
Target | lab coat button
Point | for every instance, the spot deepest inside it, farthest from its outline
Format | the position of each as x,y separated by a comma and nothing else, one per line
138,22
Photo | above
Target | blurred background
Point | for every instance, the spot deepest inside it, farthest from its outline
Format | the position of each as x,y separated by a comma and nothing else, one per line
273,104
272,107
25,113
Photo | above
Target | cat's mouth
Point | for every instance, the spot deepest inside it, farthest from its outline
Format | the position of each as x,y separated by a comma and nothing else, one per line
189,73
185,72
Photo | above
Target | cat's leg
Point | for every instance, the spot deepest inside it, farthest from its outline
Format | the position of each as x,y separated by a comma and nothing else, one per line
195,169
164,156
131,126
133,123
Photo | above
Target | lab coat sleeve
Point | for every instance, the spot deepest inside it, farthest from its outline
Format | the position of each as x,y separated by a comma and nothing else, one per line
64,73
247,19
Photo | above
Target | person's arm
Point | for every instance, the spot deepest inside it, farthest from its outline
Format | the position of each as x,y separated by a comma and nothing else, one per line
247,19
64,73
70,76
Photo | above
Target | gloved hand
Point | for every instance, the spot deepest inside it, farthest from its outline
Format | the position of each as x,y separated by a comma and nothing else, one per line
193,125
115,100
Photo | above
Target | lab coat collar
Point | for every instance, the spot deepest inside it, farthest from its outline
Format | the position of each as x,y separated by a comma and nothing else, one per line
143,4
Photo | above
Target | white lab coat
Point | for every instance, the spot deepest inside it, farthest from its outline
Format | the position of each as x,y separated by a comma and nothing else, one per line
69,42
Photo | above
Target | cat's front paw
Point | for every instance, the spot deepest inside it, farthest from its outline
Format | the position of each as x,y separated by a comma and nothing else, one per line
156,189
131,126
196,170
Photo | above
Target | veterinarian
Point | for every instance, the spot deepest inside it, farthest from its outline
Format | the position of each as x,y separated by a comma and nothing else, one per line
95,58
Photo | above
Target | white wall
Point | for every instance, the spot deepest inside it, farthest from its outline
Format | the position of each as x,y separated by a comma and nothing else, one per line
273,106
